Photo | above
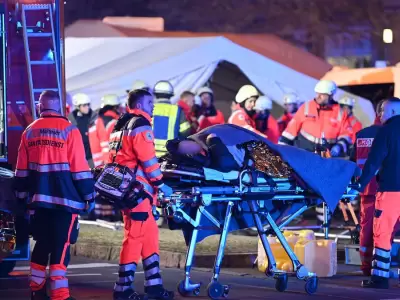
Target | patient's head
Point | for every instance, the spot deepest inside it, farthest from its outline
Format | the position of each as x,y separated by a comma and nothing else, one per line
188,147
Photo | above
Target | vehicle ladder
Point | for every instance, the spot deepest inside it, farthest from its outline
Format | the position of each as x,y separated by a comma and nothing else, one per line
46,35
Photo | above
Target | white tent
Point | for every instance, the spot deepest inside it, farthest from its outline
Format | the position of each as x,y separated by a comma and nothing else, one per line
99,66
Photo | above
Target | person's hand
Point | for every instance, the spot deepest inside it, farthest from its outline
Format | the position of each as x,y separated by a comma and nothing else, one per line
335,151
89,207
166,190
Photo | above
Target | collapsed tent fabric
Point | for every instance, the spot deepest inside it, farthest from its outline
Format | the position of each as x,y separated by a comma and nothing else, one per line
98,66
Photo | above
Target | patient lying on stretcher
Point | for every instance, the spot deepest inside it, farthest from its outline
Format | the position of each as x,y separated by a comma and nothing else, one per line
212,153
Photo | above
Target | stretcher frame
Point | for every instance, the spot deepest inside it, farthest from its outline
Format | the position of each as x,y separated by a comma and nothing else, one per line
233,195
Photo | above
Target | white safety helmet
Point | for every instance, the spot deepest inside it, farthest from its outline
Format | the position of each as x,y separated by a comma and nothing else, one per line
197,100
245,92
326,87
164,87
140,85
111,99
205,89
290,99
346,100
80,99
263,103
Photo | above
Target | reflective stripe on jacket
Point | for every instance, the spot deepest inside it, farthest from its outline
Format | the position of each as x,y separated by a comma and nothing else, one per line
52,171
312,123
137,148
169,122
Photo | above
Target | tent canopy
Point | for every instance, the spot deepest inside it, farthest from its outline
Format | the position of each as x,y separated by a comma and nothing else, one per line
98,66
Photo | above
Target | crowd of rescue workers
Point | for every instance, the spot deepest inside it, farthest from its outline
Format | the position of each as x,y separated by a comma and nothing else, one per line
59,177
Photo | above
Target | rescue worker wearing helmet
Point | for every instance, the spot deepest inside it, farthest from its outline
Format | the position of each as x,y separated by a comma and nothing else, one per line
244,112
139,85
209,115
82,116
266,123
320,125
134,140
291,105
347,104
101,128
169,120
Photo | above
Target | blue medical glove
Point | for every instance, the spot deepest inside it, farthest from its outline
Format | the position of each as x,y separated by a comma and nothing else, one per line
89,207
335,151
166,190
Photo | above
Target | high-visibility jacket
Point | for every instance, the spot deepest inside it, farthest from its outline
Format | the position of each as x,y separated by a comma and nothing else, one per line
268,126
313,123
52,171
362,147
138,148
169,122
355,125
99,135
240,118
206,121
284,121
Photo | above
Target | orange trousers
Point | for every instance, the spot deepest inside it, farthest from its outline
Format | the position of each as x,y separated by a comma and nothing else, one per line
140,241
386,216
367,211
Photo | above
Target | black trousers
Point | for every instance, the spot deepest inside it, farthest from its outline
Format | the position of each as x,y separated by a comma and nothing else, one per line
54,231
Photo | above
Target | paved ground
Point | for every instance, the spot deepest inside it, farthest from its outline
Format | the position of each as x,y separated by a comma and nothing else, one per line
94,280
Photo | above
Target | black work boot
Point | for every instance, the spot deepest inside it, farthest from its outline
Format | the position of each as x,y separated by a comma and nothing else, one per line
375,283
40,294
128,295
159,294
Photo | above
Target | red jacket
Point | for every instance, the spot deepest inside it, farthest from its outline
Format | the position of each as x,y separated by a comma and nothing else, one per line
99,135
361,149
284,121
208,121
187,110
268,127
240,118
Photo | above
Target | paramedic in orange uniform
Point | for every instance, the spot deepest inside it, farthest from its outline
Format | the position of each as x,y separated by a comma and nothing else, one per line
291,105
347,104
318,122
209,114
141,231
244,111
53,178
101,128
384,160
265,122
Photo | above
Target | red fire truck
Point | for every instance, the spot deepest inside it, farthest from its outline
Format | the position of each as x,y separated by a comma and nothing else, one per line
31,54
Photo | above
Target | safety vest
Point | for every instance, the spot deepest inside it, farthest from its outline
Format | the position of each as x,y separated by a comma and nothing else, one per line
166,119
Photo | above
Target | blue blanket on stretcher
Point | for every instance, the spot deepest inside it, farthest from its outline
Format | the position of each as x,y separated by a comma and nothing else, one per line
327,177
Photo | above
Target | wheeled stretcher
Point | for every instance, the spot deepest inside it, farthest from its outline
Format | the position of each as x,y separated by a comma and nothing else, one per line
206,201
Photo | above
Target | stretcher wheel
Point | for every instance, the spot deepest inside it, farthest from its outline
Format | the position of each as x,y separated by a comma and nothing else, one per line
184,293
311,285
215,290
281,282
